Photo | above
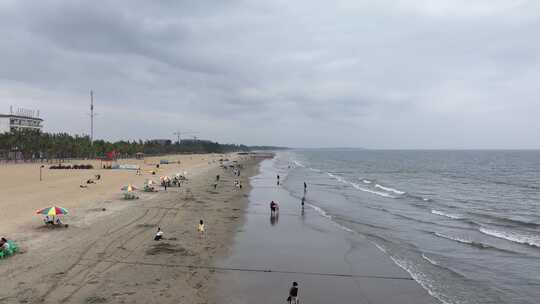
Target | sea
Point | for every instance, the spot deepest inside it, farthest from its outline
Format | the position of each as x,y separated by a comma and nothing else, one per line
464,224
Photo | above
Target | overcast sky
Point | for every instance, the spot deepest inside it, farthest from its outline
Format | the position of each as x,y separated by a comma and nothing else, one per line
303,73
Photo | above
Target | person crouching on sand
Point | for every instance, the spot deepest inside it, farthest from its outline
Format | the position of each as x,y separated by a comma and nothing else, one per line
200,228
159,234
293,294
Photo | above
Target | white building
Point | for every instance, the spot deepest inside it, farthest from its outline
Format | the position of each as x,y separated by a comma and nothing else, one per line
12,122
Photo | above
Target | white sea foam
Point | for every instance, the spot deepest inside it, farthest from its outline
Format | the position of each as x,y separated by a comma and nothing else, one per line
454,238
429,260
389,189
366,181
372,191
338,178
358,187
314,170
299,164
452,216
513,237
328,216
419,277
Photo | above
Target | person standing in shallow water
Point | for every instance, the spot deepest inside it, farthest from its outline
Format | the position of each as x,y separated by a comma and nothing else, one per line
293,294
305,187
278,179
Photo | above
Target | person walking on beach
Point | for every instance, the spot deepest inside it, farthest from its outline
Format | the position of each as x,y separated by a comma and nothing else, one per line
293,294
159,234
278,179
303,200
200,228
305,187
273,207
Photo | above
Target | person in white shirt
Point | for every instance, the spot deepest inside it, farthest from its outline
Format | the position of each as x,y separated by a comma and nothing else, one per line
159,234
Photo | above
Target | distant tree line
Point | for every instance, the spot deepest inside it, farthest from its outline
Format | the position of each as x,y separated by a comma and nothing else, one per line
30,144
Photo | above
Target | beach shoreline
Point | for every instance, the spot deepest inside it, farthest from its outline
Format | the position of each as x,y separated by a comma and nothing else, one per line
330,263
107,254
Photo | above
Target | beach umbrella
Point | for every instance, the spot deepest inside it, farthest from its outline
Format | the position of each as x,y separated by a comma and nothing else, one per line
52,211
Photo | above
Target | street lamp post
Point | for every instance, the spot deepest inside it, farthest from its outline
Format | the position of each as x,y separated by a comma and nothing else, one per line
40,176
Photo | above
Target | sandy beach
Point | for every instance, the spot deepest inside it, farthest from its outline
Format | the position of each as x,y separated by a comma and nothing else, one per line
108,255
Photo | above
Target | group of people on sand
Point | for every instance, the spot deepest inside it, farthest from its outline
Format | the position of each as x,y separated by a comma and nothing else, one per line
200,230
89,181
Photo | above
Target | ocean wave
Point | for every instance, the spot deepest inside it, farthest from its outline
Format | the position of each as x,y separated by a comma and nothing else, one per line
384,194
431,261
358,187
530,240
452,216
463,241
338,178
511,221
420,278
299,164
365,181
314,170
389,189
325,214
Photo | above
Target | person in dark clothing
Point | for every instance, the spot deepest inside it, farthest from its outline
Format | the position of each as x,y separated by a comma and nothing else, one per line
273,207
305,187
278,179
303,200
293,294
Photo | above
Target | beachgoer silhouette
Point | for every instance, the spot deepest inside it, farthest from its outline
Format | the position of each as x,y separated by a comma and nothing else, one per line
273,207
305,187
293,294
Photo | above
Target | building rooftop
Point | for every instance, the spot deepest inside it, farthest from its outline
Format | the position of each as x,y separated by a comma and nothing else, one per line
19,116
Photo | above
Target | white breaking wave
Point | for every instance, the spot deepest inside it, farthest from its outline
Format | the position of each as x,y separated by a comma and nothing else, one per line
338,178
371,191
328,216
454,238
314,170
513,237
389,189
358,187
366,181
452,216
429,260
419,277
299,164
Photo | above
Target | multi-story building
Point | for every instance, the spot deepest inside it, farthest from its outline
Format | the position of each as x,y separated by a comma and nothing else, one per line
16,122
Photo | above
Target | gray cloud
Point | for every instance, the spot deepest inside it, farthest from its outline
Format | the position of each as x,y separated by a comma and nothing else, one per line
389,74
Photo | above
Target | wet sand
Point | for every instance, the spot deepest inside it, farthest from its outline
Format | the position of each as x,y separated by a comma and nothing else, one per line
330,264
108,255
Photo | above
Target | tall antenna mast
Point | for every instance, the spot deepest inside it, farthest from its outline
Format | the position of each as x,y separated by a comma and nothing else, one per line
177,133
91,117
